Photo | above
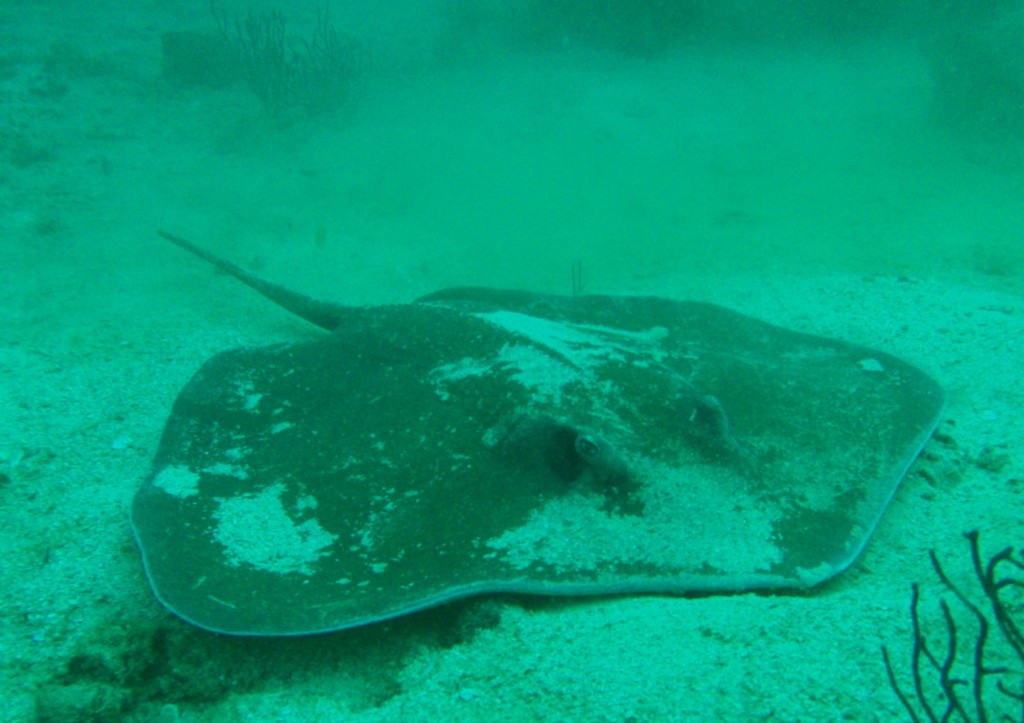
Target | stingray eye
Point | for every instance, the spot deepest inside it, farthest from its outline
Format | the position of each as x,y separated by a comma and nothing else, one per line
587,446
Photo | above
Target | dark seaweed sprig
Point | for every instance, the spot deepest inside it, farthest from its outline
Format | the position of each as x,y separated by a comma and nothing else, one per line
316,74
959,695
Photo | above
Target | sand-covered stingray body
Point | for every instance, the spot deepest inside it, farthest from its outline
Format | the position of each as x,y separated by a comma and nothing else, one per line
483,440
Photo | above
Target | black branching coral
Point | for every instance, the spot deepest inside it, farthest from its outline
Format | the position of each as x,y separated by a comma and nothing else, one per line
974,669
314,75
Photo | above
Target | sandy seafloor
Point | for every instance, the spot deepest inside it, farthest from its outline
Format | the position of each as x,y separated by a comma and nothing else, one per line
806,186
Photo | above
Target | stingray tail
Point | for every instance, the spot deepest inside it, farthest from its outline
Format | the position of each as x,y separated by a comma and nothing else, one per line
322,313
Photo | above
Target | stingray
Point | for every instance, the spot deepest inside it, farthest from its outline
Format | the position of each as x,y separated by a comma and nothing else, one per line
482,441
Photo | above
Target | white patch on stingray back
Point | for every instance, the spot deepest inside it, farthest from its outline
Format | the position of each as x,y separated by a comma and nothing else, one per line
585,346
680,532
546,356
542,373
256,529
464,368
180,482
225,469
247,394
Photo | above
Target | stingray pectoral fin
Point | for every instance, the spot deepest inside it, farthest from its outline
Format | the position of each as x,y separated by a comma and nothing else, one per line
324,314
